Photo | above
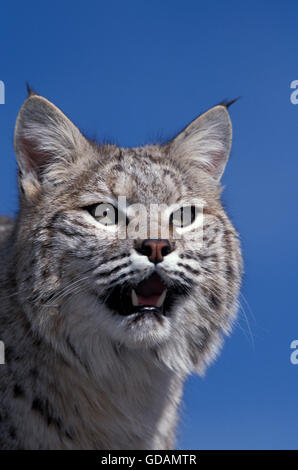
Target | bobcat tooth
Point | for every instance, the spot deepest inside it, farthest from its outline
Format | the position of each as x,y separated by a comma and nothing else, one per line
161,298
134,298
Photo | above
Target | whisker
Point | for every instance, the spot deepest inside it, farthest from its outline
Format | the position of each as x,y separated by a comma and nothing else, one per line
247,324
67,291
248,306
67,288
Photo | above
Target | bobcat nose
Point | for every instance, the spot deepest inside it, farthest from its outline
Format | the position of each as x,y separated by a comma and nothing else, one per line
155,249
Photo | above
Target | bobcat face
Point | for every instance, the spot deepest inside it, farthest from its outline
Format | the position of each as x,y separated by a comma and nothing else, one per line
168,276
140,280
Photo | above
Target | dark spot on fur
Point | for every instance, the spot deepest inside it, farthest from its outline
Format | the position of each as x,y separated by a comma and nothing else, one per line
69,232
188,282
116,350
44,408
230,271
81,224
12,432
33,298
214,300
189,269
37,405
50,297
69,434
33,372
9,354
18,357
37,342
118,168
53,220
18,391
45,272
112,271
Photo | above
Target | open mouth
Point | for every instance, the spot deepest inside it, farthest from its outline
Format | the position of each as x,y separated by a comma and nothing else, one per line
150,296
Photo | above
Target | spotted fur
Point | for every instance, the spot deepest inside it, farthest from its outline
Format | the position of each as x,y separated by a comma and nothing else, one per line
77,375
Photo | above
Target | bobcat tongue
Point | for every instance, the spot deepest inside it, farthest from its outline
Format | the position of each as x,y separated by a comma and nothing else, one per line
149,291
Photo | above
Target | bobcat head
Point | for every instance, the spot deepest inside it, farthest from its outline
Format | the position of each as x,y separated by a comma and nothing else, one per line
126,246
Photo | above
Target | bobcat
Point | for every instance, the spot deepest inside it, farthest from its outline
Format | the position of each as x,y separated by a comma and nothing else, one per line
101,331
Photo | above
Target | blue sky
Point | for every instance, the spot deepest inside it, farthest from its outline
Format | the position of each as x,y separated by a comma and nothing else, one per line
137,70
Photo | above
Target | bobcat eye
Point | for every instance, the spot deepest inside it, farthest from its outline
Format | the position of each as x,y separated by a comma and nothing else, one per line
183,217
104,213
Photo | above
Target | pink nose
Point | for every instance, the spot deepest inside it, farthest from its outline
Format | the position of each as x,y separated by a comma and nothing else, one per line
155,249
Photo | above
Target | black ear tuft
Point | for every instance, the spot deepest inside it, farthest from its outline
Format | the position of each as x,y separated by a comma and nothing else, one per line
30,90
228,103
206,142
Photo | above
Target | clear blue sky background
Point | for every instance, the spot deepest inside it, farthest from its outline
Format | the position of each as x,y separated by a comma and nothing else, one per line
135,70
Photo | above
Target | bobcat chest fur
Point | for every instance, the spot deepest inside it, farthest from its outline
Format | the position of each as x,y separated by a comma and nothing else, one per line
119,277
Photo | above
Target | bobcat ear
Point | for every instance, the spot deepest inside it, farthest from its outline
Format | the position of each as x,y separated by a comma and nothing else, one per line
46,144
206,141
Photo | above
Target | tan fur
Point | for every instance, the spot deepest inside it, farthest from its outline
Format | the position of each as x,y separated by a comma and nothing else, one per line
78,375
